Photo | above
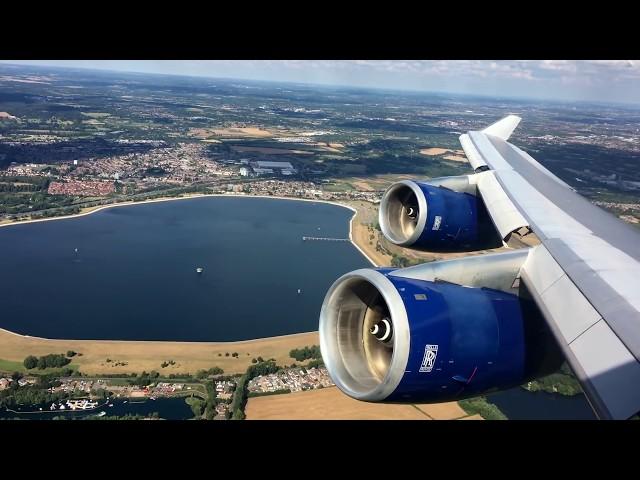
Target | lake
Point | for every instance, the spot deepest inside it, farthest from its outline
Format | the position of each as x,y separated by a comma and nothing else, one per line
134,277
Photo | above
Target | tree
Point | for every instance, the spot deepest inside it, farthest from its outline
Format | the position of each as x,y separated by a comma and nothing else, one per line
71,353
100,393
209,412
197,406
30,362
306,353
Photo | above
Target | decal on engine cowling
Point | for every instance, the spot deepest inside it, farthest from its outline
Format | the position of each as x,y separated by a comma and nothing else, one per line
436,223
429,359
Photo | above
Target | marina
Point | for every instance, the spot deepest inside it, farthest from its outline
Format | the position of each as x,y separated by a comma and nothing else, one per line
166,408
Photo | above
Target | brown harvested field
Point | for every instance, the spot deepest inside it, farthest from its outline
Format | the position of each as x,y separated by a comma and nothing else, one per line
269,150
241,132
247,132
473,417
332,404
433,151
362,186
455,158
379,182
139,356
244,131
330,147
442,411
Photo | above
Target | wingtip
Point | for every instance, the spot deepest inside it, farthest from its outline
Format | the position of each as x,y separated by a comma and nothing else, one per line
503,128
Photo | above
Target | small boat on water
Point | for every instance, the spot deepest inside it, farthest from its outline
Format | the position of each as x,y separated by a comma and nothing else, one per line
111,404
299,291
199,269
101,414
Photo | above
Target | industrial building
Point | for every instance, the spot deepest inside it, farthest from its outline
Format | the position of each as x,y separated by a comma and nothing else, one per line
280,165
262,171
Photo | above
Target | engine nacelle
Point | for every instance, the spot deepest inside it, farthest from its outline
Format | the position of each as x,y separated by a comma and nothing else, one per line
443,215
392,335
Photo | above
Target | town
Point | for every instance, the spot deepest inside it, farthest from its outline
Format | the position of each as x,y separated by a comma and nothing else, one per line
292,380
210,394
73,152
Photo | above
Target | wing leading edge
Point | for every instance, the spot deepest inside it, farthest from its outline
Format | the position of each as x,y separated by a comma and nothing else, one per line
583,276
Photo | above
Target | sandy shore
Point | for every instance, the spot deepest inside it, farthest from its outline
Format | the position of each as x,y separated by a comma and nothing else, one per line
360,234
138,356
332,404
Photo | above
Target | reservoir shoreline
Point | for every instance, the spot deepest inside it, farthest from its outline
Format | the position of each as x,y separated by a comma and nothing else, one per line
124,204
92,210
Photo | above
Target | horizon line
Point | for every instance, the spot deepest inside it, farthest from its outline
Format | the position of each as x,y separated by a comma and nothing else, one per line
630,104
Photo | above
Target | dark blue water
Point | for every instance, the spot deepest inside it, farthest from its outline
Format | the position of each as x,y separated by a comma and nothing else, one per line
134,275
167,408
520,404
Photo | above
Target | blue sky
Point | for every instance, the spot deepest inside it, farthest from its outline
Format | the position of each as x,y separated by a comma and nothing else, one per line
568,80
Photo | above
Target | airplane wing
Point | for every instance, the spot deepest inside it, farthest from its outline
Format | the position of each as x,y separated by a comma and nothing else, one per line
585,274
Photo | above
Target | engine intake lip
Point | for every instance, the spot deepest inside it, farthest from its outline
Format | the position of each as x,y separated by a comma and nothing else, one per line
392,219
354,358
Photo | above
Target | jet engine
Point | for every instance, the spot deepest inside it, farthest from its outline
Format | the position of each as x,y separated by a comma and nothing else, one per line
435,332
442,215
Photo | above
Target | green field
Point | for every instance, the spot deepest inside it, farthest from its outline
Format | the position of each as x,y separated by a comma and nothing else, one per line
8,366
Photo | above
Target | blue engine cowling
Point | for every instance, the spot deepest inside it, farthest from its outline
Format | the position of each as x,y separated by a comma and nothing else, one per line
446,342
423,216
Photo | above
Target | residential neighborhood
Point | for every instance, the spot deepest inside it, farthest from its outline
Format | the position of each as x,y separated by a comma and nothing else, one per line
293,379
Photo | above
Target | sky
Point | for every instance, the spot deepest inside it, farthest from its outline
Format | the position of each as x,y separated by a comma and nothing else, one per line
564,80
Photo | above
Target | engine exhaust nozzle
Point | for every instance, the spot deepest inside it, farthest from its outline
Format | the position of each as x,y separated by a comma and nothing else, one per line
403,213
364,335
